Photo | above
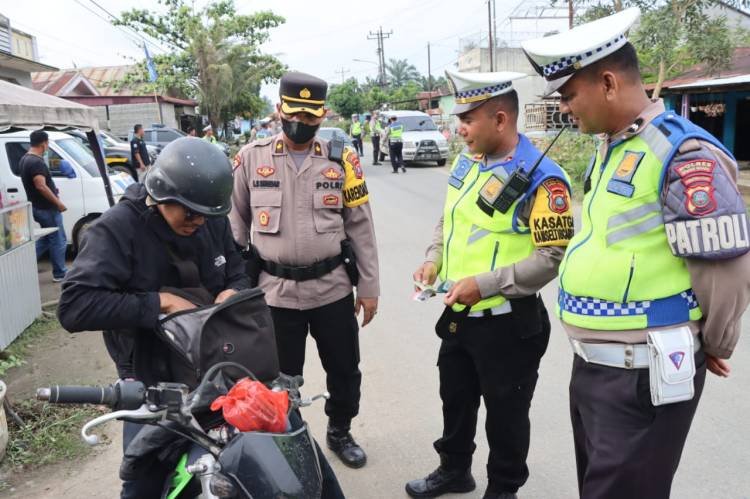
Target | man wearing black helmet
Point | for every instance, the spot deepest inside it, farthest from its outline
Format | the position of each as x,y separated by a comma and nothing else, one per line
125,260
128,256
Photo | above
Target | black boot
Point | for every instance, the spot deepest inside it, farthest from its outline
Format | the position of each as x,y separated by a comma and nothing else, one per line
441,481
341,442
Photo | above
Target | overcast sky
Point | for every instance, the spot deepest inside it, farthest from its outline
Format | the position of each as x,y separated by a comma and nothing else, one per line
319,37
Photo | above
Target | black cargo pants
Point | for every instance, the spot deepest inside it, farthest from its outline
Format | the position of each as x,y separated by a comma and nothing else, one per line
495,358
336,332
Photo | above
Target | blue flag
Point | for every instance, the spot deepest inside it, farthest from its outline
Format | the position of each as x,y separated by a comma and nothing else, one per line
150,65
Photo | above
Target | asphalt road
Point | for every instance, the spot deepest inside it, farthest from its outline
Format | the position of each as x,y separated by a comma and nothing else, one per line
400,411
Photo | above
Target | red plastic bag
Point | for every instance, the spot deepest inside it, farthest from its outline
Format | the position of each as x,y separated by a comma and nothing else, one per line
250,406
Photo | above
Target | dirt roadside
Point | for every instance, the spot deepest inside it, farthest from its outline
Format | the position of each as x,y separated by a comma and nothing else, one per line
63,358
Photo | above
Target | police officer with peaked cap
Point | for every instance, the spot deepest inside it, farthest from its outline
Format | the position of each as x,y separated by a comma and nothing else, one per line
493,250
304,204
653,286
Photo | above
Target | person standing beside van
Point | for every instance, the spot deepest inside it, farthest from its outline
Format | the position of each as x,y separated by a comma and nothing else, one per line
138,149
45,203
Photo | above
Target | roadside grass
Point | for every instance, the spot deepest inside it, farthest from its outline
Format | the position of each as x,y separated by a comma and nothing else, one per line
50,434
14,354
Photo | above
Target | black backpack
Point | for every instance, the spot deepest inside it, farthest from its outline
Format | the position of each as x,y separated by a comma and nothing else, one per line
238,330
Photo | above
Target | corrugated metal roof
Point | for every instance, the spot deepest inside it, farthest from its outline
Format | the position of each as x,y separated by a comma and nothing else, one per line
716,82
103,78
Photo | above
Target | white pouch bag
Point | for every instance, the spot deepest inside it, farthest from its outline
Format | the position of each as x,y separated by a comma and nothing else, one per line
671,365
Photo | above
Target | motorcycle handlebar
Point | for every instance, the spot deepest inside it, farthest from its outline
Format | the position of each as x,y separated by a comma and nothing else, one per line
122,395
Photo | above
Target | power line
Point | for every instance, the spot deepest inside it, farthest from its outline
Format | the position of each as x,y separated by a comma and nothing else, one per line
131,29
342,71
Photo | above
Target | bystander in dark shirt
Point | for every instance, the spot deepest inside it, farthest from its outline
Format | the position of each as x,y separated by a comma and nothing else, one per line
32,165
137,145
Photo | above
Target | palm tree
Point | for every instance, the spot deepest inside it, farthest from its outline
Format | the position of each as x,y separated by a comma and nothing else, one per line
439,83
400,72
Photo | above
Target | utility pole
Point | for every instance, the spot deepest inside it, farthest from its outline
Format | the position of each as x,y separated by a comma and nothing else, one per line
342,71
380,36
494,28
429,69
489,29
570,14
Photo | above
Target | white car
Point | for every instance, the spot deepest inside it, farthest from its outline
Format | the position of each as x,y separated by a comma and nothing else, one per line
422,141
81,190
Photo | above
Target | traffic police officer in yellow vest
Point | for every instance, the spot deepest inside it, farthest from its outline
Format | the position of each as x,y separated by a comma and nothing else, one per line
355,132
305,203
653,285
494,249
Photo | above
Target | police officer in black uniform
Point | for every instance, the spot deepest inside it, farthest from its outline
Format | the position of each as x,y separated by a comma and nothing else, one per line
138,151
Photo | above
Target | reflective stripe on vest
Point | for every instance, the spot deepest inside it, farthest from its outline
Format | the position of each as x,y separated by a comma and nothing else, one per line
619,272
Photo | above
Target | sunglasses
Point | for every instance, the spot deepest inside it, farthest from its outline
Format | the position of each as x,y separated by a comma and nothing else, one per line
191,215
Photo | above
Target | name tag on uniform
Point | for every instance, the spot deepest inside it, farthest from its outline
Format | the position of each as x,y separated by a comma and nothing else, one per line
459,172
621,182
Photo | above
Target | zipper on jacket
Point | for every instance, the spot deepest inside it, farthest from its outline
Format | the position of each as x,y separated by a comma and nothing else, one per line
588,209
630,279
453,222
494,255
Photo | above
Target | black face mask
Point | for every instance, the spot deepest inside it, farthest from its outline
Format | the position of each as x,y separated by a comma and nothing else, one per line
298,132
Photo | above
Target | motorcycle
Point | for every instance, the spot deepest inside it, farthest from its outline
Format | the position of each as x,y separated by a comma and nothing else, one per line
221,461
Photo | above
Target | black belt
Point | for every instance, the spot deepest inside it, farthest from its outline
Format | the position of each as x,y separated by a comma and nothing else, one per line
306,273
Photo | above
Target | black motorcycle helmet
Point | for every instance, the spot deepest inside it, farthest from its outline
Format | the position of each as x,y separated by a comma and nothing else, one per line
194,173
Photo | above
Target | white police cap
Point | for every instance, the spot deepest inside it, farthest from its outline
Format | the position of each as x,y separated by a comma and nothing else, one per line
558,57
471,90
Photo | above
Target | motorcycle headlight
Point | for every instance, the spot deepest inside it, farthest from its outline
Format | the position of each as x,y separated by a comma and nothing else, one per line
222,486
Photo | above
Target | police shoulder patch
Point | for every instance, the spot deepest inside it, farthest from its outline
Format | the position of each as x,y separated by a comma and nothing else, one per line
355,189
551,219
697,179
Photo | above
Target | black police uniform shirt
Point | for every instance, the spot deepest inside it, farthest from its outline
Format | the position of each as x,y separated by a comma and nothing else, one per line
137,145
32,165
123,262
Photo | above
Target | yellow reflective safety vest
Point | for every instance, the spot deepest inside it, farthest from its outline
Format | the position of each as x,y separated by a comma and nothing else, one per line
476,238
619,272
356,128
397,131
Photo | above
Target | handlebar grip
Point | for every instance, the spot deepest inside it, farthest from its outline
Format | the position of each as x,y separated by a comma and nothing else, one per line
106,395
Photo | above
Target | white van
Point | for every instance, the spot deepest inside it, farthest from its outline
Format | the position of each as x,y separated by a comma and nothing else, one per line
422,141
81,190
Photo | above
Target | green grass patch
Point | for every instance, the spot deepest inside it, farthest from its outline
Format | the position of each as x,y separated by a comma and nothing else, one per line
13,356
52,433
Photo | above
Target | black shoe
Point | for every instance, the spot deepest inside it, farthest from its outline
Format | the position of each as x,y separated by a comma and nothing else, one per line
499,495
343,445
403,169
394,171
441,481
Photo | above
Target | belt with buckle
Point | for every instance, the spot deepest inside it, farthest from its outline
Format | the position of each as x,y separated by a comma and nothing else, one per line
491,312
302,273
622,355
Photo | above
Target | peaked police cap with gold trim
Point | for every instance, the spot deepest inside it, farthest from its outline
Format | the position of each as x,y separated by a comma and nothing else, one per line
558,57
302,93
471,90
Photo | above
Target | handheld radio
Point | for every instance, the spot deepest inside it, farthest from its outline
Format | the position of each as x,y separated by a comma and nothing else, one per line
519,181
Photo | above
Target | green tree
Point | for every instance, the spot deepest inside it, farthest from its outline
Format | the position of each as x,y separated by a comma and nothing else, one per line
405,96
672,36
400,72
346,98
439,83
215,55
